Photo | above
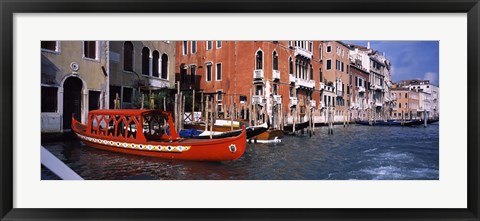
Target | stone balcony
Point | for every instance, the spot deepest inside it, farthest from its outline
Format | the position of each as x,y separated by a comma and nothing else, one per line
378,103
277,98
360,89
376,87
321,105
302,52
276,74
257,99
325,87
305,83
258,74
291,78
313,103
293,101
154,82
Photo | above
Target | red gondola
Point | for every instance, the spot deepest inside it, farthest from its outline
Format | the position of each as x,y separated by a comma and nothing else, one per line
152,133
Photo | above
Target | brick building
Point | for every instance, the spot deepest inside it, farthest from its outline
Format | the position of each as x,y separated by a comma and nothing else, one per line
281,75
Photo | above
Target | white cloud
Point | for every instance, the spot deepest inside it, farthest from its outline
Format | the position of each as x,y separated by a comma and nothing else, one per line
431,76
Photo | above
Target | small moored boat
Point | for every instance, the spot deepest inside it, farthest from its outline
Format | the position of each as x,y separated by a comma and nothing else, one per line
390,123
288,129
252,131
269,136
152,133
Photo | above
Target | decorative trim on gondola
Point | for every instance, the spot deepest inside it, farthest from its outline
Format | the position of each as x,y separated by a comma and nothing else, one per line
125,145
232,148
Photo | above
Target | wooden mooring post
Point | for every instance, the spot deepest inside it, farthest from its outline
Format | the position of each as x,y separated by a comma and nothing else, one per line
310,128
164,103
231,113
206,112
193,105
211,118
117,101
331,118
202,105
250,118
294,118
424,118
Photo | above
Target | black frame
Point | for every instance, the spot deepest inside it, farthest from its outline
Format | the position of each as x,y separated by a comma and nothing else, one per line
9,7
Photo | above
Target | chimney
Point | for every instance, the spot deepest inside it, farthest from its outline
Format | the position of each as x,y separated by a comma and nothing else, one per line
368,45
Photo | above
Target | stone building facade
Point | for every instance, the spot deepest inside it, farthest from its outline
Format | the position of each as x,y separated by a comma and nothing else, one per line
379,79
140,67
406,104
336,73
360,92
429,96
74,80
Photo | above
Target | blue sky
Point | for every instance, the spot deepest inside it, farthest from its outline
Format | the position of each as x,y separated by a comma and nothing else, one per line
410,59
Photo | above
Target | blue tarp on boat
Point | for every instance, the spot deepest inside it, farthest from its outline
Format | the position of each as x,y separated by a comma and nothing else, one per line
189,133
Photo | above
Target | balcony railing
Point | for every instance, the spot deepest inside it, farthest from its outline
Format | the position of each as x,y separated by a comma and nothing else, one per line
340,93
155,82
305,83
277,98
293,101
361,89
380,87
326,87
321,105
258,74
313,103
378,103
376,87
257,99
291,78
302,52
276,74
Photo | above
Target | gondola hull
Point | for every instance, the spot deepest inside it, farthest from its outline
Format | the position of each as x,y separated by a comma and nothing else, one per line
224,149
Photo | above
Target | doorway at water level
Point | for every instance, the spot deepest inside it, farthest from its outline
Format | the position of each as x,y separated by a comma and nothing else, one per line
72,101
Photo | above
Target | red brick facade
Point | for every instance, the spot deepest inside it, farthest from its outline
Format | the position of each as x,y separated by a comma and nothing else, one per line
249,65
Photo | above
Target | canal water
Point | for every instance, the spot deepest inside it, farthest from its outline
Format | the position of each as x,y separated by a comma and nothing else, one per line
355,152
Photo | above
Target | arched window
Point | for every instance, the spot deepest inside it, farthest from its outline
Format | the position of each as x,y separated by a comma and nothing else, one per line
155,58
145,61
259,60
290,66
275,60
320,56
164,66
128,56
